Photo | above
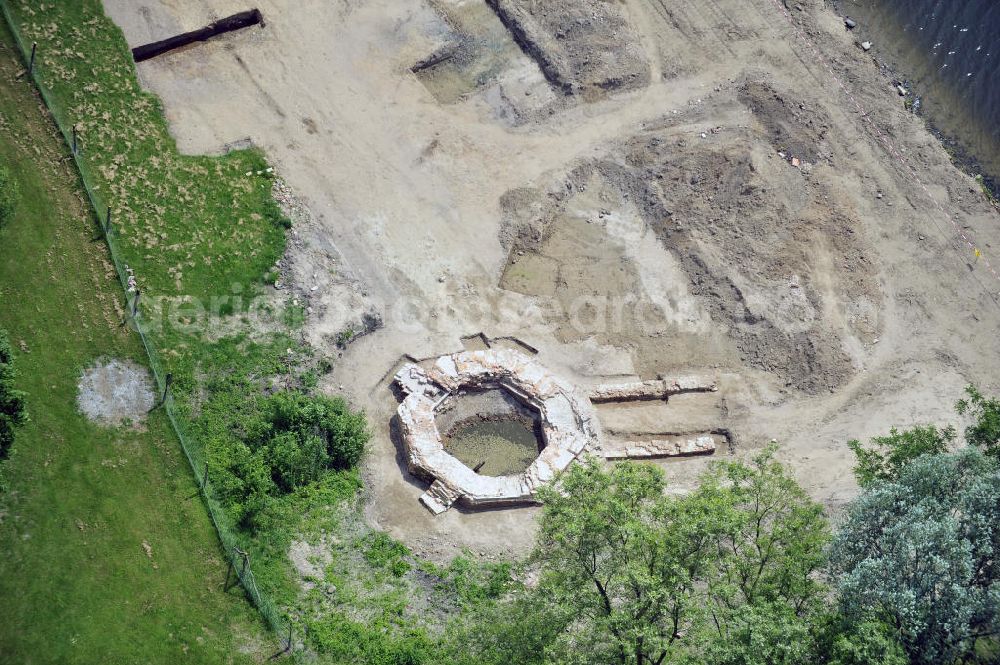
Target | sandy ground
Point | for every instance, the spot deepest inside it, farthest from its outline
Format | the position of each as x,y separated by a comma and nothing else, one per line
631,234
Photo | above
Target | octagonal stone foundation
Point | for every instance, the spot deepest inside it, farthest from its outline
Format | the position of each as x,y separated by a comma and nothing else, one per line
567,425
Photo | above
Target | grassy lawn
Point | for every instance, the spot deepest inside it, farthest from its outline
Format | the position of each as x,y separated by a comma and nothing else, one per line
76,583
188,225
195,230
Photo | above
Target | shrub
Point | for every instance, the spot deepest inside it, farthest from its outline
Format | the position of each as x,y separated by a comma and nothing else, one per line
343,433
8,196
890,454
290,440
12,410
984,433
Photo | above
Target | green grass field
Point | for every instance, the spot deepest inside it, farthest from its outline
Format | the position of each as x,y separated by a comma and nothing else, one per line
76,583
84,500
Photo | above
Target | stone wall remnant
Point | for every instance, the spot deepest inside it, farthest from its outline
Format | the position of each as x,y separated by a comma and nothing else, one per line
652,389
568,423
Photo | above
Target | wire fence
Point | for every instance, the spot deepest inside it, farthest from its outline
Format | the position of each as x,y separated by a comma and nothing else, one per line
236,553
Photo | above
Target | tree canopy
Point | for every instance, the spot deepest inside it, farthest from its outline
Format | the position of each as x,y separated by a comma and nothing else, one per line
984,432
629,574
888,455
920,553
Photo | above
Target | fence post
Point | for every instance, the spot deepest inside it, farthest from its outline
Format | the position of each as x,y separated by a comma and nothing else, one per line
76,148
287,648
169,379
243,570
31,62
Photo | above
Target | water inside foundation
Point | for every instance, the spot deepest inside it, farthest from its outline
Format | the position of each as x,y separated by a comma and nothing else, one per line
497,447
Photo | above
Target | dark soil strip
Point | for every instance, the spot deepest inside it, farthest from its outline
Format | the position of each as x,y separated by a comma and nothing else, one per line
230,23
442,55
531,48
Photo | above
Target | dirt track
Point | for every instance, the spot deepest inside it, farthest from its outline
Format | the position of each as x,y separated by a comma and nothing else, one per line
635,233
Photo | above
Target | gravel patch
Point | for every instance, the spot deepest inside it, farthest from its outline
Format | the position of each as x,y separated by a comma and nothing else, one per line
115,392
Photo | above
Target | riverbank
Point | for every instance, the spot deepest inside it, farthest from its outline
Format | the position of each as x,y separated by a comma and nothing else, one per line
946,56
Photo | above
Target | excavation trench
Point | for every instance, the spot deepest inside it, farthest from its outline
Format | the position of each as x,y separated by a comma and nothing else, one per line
238,21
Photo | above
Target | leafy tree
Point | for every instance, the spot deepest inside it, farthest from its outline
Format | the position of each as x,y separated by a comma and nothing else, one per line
769,536
764,634
985,431
919,552
12,410
628,574
891,453
606,555
767,541
8,196
843,641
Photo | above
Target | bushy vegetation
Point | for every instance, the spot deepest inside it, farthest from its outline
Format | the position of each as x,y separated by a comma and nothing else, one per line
918,549
629,574
290,440
8,195
888,455
13,413
920,553
984,432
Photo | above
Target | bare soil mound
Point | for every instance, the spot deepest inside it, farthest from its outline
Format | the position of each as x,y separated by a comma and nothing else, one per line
769,256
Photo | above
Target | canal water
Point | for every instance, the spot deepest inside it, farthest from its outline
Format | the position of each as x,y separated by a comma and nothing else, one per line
949,52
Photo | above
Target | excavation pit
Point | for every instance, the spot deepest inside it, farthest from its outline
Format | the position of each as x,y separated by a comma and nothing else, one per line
458,389
478,51
491,431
